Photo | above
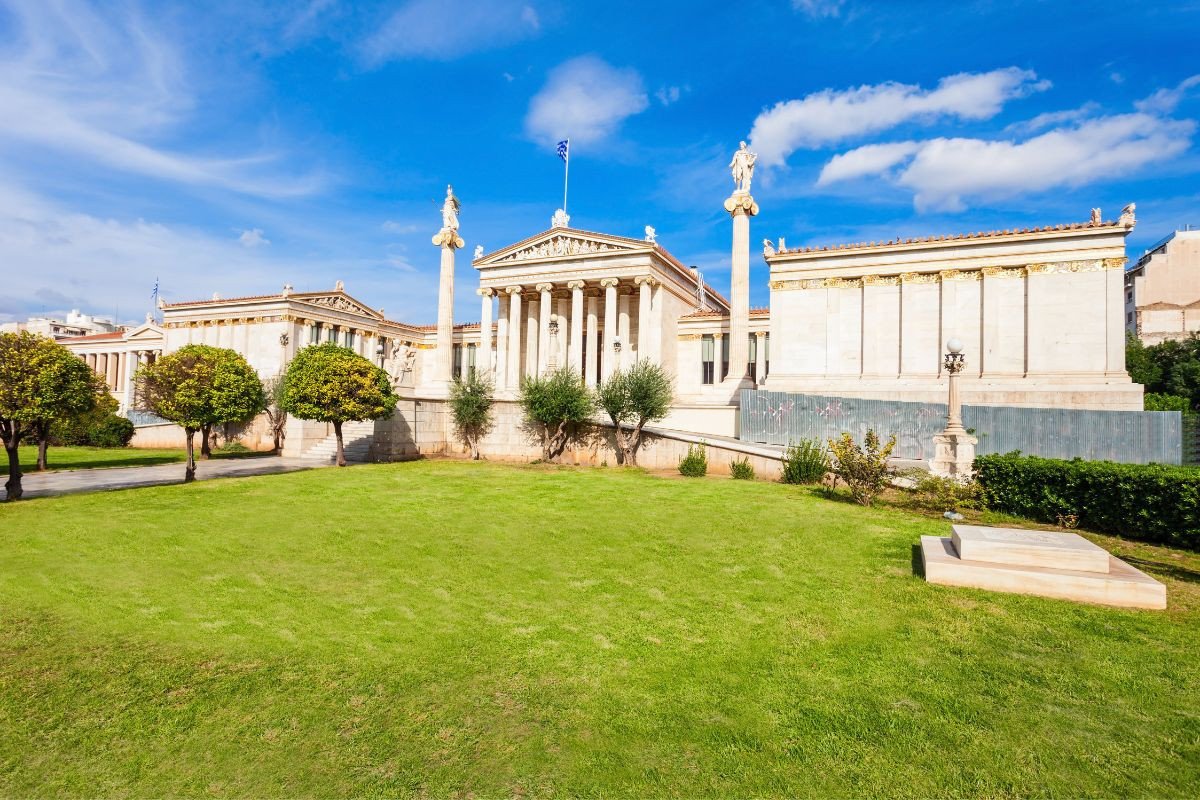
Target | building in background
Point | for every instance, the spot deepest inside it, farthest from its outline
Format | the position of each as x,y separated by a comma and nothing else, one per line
76,324
1162,290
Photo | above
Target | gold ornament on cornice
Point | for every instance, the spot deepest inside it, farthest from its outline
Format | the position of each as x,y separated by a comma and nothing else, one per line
919,277
1115,263
843,283
1002,272
960,275
691,336
881,280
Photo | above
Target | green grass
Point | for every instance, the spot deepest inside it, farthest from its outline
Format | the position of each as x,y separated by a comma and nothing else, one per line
464,629
101,457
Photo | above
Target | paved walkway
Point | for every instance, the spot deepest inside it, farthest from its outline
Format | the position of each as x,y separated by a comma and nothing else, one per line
44,484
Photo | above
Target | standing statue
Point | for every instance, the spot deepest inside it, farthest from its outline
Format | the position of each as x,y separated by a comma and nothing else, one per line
742,167
1096,218
651,234
450,210
478,252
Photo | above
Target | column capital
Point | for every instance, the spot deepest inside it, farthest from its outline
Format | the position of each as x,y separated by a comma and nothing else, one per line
718,336
573,285
485,291
739,204
512,289
609,283
448,238
544,287
760,334
648,280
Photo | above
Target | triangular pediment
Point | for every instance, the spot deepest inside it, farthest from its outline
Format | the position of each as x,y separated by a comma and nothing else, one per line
559,243
147,331
338,301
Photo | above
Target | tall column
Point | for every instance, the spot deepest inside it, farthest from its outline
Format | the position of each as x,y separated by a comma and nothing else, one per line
514,337
741,207
447,238
623,328
484,362
532,317
90,360
593,341
464,362
656,324
563,309
501,363
544,344
718,357
111,371
608,354
575,344
645,326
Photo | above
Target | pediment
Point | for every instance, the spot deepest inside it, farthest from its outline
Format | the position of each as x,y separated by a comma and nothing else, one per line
147,331
562,243
339,301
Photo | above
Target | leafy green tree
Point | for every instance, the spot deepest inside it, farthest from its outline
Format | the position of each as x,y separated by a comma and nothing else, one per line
471,407
559,403
328,383
1166,402
199,386
1140,362
632,398
276,416
40,382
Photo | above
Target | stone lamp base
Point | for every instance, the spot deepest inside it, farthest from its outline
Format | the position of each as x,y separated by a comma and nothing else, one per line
953,455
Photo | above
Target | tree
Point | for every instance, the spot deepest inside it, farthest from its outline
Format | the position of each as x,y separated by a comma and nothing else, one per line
471,407
1140,362
632,398
864,469
276,416
40,381
558,402
197,387
328,383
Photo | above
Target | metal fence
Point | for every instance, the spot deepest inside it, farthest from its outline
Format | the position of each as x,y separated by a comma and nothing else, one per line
140,418
1132,437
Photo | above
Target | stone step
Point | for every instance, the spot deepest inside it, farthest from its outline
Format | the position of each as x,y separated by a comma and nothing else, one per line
1028,548
1121,585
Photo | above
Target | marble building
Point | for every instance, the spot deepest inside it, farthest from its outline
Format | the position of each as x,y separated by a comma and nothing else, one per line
1040,310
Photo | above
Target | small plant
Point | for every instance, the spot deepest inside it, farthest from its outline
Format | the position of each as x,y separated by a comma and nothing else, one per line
805,461
863,468
741,469
1068,521
233,447
695,463
934,493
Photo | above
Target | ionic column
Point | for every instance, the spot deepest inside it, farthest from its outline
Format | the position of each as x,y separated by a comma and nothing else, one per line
544,345
532,326
111,371
741,207
501,363
514,336
760,366
463,362
575,345
645,285
593,335
608,355
563,305
623,327
485,333
447,238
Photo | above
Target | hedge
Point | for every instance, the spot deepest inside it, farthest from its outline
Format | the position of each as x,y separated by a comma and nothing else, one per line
1151,502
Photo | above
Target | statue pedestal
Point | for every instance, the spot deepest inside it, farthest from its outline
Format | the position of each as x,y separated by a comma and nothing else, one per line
953,455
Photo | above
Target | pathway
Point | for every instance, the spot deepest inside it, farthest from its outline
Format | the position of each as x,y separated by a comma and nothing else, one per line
44,484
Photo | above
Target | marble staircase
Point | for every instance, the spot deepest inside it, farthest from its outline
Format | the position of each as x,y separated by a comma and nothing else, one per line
356,443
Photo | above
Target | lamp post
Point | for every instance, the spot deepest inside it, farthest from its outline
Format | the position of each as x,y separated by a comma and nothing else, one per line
954,448
379,352
552,361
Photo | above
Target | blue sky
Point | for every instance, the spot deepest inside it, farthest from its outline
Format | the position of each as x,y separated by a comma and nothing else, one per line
233,147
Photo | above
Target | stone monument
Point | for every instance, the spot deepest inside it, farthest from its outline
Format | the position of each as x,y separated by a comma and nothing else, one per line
741,208
448,239
954,448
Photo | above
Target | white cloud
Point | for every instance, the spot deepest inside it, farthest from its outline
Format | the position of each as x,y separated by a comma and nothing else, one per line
447,29
253,238
1164,101
98,87
818,9
829,116
945,173
1053,118
666,95
392,226
586,99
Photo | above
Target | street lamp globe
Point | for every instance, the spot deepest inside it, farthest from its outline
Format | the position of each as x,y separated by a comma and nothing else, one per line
954,344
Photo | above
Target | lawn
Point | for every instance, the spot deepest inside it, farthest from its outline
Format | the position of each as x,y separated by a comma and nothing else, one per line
462,629
99,457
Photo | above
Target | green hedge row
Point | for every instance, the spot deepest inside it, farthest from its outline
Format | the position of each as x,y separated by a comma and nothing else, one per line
1150,502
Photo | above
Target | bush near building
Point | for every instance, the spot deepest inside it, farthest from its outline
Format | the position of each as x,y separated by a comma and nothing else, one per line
864,468
741,469
1151,502
805,461
695,463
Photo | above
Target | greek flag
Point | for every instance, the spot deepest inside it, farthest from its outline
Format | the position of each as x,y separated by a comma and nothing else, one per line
563,149
154,294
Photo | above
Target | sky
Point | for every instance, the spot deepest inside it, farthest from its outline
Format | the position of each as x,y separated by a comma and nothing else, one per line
233,147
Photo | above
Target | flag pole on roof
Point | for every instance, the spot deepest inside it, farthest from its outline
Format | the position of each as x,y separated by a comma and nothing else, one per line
564,152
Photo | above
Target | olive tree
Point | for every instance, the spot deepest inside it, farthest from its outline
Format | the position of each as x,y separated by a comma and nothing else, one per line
471,407
276,416
558,403
329,383
40,382
632,398
199,386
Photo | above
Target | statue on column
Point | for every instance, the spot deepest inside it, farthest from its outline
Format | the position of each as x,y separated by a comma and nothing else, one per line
450,210
742,167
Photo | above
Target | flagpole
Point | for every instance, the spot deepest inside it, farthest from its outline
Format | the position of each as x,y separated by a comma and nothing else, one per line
566,173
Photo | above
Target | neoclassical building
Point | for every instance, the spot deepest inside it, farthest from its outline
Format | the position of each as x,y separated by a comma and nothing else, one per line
1040,312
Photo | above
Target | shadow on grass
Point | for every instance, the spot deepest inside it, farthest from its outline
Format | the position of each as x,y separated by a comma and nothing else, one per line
148,460
918,563
1163,569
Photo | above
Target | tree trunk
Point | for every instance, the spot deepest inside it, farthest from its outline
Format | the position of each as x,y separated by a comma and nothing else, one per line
205,449
634,442
12,440
189,473
43,441
557,443
473,443
341,453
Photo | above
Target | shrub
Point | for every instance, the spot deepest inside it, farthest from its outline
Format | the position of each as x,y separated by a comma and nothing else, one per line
1152,502
471,408
741,469
111,431
1166,402
695,463
805,461
234,447
934,493
864,469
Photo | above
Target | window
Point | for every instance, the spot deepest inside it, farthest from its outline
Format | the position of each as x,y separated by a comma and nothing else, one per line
349,339
314,333
706,359
472,351
333,332
752,363
766,355
1129,316
458,360
724,356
